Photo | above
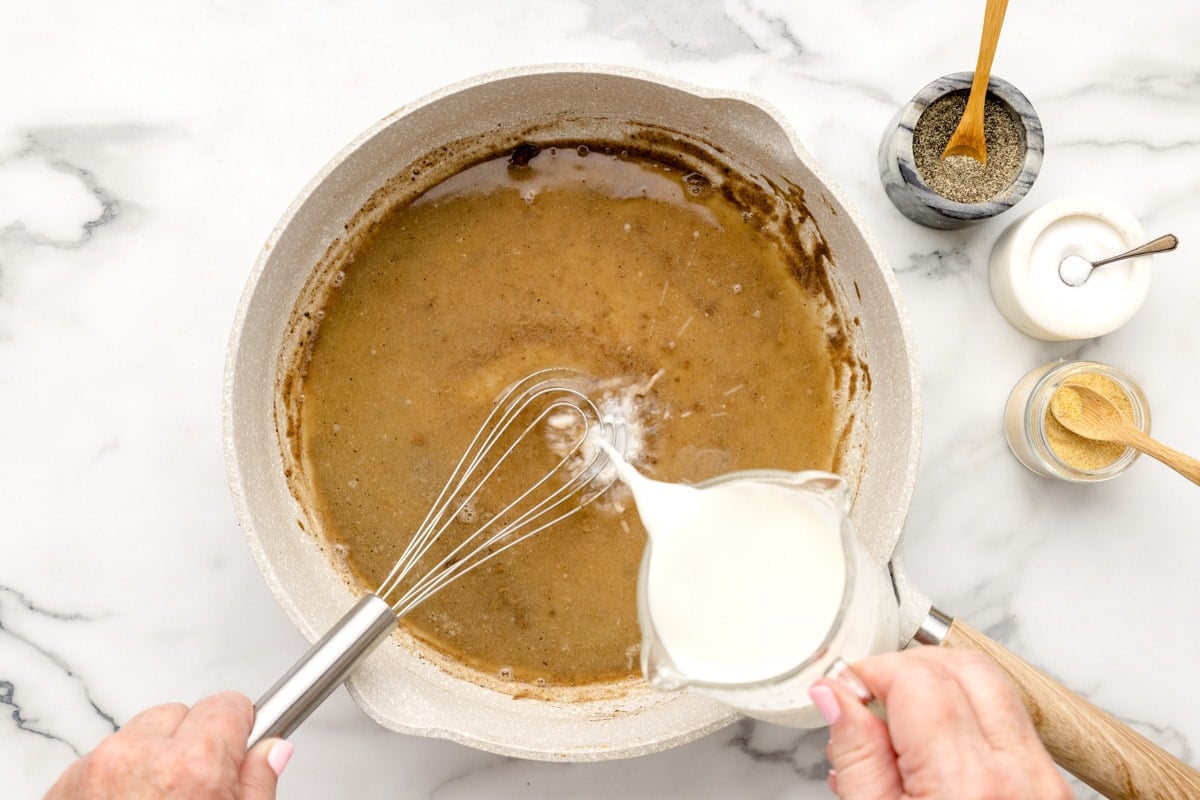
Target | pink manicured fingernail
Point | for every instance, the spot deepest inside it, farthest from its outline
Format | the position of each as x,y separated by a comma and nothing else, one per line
825,701
281,751
841,671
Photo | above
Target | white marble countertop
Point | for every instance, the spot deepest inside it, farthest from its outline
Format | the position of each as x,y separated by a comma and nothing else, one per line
147,149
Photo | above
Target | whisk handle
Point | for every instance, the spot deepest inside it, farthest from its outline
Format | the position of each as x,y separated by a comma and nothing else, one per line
322,669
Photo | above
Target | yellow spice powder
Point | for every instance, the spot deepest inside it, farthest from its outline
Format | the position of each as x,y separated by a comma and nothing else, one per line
1075,450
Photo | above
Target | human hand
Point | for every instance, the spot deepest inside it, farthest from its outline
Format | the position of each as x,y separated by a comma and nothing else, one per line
172,751
955,728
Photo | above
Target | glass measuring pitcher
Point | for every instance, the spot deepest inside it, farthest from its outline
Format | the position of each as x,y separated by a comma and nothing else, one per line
866,620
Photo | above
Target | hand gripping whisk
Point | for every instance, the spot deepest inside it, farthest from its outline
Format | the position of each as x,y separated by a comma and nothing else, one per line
551,401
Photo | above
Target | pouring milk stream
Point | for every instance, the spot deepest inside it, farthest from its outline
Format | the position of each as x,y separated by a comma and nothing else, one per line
752,586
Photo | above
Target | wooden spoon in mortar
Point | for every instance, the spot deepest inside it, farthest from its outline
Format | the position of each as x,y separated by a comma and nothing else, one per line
968,139
1091,415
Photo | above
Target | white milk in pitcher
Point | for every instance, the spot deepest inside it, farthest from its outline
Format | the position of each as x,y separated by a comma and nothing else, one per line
730,568
752,585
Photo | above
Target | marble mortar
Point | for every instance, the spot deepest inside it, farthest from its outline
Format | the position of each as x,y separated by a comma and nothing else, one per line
909,192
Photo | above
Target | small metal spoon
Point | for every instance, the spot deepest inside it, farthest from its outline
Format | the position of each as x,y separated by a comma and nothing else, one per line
1075,270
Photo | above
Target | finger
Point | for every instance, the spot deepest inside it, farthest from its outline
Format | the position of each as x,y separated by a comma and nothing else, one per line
226,716
921,684
67,785
880,672
933,726
1002,715
984,686
219,726
260,771
860,749
157,721
1005,721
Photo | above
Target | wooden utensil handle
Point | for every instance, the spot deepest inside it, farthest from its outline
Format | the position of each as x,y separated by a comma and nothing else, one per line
993,20
1185,465
1110,757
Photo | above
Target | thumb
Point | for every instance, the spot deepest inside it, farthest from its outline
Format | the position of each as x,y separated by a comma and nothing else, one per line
860,749
261,769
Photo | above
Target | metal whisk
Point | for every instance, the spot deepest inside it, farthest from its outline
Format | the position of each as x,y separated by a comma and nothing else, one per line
551,402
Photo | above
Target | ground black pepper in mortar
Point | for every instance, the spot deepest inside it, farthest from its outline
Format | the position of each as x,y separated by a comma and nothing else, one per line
962,178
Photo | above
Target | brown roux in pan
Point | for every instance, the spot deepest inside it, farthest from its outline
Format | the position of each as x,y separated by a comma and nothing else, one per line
615,265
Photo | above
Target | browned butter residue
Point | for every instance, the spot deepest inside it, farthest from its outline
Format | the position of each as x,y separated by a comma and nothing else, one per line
616,265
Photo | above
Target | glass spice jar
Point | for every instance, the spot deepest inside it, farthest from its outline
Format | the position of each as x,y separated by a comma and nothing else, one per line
1043,445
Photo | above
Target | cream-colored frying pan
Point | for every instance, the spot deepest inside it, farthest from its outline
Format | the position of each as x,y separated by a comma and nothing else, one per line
402,686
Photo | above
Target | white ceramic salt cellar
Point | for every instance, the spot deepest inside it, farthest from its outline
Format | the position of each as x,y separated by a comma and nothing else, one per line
909,191
1024,269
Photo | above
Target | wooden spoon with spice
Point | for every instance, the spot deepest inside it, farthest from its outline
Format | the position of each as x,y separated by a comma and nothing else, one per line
1091,415
968,138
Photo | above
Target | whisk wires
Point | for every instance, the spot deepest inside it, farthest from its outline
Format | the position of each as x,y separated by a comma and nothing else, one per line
551,400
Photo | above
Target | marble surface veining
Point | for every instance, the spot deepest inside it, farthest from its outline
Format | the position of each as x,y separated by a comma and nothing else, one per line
146,151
